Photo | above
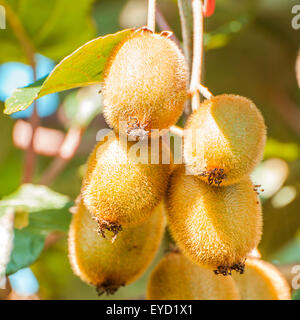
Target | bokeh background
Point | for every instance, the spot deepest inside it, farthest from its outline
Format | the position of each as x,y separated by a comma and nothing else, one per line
250,50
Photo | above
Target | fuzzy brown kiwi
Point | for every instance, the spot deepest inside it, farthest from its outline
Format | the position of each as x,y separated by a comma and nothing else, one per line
145,83
262,281
106,265
215,227
177,278
118,190
225,139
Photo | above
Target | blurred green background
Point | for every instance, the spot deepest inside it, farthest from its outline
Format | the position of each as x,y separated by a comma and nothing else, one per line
251,49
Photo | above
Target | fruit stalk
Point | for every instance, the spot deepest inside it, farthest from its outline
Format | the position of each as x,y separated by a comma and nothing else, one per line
204,91
185,13
19,32
197,51
29,50
151,15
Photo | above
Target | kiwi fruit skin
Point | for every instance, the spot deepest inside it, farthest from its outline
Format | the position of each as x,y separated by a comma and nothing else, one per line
262,281
225,136
117,189
215,227
145,81
177,278
106,265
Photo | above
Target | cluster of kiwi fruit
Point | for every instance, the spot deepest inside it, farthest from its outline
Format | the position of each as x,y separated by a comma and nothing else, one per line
223,221
119,219
212,211
178,278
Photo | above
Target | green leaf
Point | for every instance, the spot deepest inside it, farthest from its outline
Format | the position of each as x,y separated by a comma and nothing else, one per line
53,28
24,96
49,220
48,210
34,198
83,67
27,248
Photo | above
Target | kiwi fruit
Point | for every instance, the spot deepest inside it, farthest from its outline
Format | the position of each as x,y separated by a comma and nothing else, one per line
145,84
262,281
224,139
215,227
177,278
121,189
106,265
